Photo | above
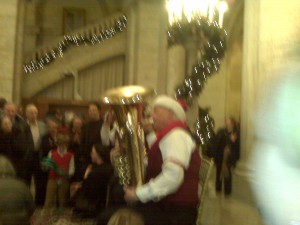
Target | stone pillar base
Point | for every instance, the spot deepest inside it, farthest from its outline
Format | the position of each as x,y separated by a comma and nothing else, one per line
242,184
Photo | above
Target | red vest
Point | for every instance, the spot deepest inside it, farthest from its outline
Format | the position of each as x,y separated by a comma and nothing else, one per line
187,194
62,163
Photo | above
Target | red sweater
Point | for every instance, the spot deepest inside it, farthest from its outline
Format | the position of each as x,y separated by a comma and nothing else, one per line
187,194
62,163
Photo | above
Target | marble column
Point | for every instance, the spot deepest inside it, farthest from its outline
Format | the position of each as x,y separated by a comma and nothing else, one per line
146,57
31,27
8,26
19,59
176,68
269,35
269,38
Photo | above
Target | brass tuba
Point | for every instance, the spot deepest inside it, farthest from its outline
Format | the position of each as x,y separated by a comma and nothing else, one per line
127,102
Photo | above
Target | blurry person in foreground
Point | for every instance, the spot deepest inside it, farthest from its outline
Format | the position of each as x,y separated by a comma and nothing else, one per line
16,201
276,153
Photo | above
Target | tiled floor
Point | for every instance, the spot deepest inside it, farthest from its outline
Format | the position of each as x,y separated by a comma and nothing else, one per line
220,210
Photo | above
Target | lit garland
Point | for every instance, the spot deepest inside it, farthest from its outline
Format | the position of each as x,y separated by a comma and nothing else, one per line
70,41
213,47
204,130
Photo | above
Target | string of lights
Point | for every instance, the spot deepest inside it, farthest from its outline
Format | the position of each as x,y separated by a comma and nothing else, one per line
70,41
212,51
201,21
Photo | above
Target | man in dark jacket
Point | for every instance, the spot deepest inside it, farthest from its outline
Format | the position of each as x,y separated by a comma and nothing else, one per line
11,144
92,130
91,135
20,124
38,130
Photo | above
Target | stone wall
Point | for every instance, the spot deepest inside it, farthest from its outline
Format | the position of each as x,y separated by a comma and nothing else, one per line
53,20
270,39
44,19
147,45
8,26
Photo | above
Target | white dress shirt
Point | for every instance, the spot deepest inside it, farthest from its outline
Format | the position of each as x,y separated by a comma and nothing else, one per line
35,131
176,150
38,130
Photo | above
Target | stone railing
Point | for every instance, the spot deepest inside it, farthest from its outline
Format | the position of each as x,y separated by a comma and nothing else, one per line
90,34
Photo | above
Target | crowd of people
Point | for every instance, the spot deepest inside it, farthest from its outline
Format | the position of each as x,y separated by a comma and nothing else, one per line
59,154
69,160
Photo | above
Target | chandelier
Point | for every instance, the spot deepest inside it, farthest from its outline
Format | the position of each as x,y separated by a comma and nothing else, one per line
199,21
188,10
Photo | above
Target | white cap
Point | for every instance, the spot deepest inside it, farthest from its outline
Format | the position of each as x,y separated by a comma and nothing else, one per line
172,104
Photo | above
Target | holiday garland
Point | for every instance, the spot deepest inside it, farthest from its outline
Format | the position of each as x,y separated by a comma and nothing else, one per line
212,50
213,39
76,40
204,131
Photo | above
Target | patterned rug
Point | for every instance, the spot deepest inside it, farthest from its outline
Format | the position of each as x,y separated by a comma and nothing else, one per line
58,217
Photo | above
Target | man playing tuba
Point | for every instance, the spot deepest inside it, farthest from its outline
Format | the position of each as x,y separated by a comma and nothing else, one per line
169,195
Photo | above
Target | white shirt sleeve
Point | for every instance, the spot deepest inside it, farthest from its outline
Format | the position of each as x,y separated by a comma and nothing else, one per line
151,138
107,134
176,149
104,133
112,133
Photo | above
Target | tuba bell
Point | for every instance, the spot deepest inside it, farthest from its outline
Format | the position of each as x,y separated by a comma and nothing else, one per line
127,103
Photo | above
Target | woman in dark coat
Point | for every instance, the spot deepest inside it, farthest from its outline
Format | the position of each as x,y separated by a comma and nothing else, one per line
90,197
226,154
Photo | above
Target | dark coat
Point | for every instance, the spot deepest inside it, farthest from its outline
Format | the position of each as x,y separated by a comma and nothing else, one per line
47,144
12,146
91,197
21,125
222,139
28,145
90,136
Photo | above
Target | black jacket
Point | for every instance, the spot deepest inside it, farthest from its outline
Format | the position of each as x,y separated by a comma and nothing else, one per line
91,197
222,140
12,145
47,144
90,136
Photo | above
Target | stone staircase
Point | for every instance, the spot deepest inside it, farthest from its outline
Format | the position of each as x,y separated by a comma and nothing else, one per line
73,52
